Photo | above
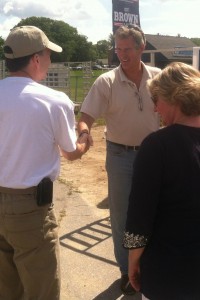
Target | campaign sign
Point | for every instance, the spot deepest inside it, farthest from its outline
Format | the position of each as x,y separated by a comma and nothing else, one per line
125,12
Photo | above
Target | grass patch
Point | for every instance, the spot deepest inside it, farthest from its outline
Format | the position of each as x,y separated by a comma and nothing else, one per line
62,214
69,184
79,86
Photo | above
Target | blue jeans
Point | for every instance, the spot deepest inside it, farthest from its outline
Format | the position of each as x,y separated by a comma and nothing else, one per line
119,167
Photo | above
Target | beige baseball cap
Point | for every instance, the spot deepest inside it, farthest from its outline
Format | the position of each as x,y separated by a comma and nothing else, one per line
26,40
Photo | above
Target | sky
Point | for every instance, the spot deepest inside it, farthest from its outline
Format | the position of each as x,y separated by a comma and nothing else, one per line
93,18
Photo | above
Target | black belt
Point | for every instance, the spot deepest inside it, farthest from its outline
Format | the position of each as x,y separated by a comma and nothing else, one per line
30,190
126,147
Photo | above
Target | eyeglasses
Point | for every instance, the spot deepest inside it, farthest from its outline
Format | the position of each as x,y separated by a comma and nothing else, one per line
140,102
133,26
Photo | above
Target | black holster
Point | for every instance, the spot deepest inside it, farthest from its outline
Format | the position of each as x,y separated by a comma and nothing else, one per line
44,193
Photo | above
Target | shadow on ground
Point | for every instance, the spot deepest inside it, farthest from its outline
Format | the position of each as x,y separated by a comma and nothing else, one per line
103,204
113,292
82,240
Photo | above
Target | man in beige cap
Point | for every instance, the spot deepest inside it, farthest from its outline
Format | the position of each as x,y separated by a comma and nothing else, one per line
36,123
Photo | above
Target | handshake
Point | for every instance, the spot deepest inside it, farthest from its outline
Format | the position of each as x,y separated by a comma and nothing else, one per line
84,141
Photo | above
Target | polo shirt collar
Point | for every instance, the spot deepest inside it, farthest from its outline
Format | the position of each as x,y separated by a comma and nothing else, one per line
145,75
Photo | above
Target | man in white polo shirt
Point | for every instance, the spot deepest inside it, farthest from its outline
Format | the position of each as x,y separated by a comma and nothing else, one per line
122,98
36,123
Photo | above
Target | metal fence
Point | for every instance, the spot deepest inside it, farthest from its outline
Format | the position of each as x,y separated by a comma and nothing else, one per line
73,78
2,69
76,78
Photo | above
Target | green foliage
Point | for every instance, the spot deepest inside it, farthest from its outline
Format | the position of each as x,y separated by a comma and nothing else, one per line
111,39
102,48
84,50
75,46
1,48
77,82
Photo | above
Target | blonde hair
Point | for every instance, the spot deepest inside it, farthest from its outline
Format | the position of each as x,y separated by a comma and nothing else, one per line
178,84
134,31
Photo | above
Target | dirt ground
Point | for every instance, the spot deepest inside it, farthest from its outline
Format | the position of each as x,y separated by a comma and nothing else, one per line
88,176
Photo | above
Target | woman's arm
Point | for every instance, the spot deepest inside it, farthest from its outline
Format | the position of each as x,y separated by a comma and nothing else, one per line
134,267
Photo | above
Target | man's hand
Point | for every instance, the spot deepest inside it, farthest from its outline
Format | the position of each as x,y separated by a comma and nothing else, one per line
84,126
84,142
85,138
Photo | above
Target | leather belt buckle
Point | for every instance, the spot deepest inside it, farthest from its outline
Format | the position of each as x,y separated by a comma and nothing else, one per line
136,148
126,147
133,148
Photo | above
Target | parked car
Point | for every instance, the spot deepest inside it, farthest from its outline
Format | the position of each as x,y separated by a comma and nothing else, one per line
79,68
97,67
105,66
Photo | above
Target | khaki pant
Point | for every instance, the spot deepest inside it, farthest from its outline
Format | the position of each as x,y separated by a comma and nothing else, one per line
29,249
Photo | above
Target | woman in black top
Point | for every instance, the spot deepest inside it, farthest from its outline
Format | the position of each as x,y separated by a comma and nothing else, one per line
163,220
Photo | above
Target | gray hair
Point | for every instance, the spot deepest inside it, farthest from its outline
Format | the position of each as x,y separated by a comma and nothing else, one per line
134,31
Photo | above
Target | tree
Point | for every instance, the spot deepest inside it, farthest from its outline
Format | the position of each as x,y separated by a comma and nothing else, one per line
1,48
102,48
111,40
75,46
84,50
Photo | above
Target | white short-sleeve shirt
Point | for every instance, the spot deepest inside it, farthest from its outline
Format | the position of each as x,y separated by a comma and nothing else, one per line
34,122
